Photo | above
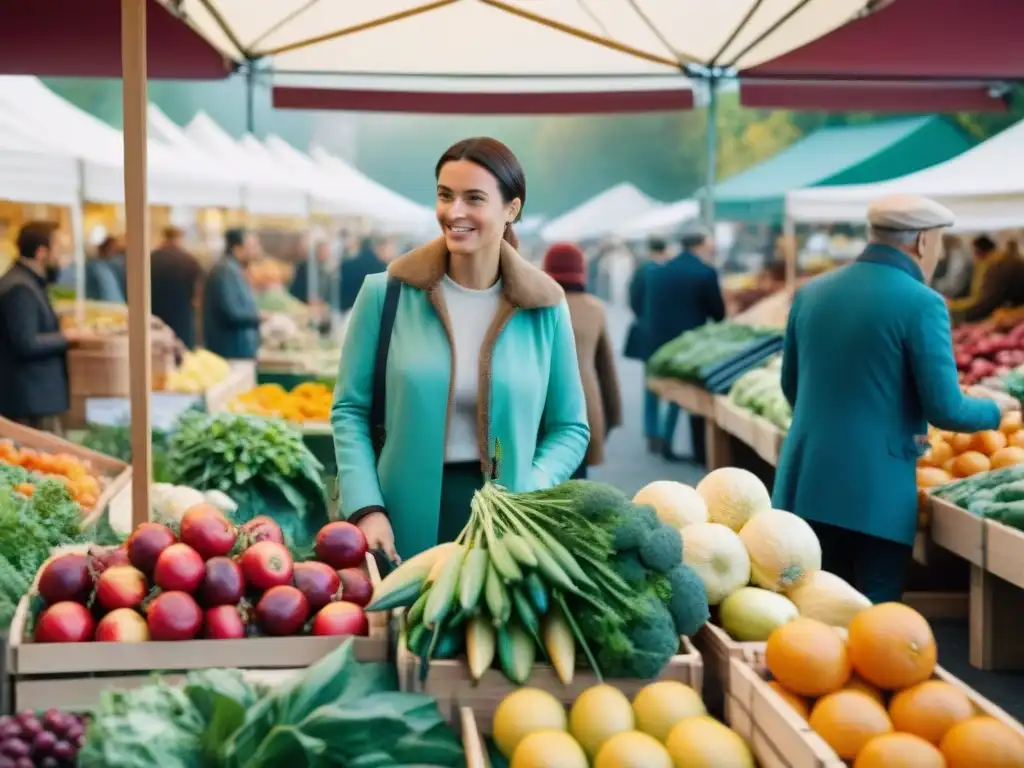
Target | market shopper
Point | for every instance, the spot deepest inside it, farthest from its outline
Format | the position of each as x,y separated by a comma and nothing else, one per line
868,365
102,278
998,281
33,350
174,278
480,355
231,319
354,271
565,263
681,296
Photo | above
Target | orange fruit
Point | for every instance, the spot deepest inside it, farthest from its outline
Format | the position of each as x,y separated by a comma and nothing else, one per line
798,703
947,467
930,477
939,453
1011,422
1017,438
891,645
1007,457
899,750
983,742
961,442
848,720
857,684
971,463
930,709
807,657
988,441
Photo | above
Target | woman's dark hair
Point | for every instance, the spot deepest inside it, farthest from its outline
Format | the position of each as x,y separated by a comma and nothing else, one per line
498,160
983,244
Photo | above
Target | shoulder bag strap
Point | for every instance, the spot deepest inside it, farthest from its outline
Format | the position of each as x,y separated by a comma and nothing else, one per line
380,369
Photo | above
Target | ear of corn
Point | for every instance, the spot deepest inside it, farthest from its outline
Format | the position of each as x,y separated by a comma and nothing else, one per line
471,582
496,596
516,653
520,550
481,643
442,593
560,645
395,590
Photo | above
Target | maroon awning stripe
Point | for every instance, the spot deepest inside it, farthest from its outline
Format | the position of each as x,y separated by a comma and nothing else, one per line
870,97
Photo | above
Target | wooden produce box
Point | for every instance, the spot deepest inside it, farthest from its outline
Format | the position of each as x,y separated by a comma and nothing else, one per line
780,738
690,397
47,675
114,475
734,420
449,681
767,440
955,529
241,378
472,740
718,651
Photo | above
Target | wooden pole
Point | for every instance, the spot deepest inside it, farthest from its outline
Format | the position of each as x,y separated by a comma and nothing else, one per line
136,205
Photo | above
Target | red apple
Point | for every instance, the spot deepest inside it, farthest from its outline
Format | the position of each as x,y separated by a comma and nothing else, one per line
318,582
341,545
282,610
341,618
224,622
266,564
65,622
122,586
207,531
223,583
101,558
174,616
179,569
355,587
146,544
262,528
123,625
66,577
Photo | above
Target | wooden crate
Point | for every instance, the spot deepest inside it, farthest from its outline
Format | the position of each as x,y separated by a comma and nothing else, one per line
767,440
472,741
955,529
690,397
734,420
718,650
780,738
114,474
449,681
46,675
241,378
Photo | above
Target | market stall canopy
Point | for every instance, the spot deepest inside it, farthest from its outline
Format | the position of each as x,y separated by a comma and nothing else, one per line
31,172
981,186
63,127
319,198
62,38
409,216
663,220
505,56
266,191
600,216
850,154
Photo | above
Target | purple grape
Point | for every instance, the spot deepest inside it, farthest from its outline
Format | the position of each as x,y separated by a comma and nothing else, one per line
27,715
73,732
30,727
15,748
25,762
5,719
10,731
7,762
43,743
63,751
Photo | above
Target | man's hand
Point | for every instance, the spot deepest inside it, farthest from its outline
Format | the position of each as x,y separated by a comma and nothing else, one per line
379,535
79,335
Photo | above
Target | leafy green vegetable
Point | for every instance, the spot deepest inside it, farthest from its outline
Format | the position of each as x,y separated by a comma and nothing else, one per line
116,441
693,351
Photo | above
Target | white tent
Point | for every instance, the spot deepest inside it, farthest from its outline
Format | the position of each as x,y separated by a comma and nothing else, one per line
31,172
663,220
320,198
268,190
981,186
65,128
601,215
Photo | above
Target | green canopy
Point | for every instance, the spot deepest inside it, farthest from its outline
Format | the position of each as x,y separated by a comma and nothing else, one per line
849,154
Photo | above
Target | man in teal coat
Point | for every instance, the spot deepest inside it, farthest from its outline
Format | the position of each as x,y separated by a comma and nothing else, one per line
868,365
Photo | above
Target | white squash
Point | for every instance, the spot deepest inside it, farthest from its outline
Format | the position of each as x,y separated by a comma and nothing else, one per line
677,504
751,614
784,552
733,496
829,599
175,501
718,557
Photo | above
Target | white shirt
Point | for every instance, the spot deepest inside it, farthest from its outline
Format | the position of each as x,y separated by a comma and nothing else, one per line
471,313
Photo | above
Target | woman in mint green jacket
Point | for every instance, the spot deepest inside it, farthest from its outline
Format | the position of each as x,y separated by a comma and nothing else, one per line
481,354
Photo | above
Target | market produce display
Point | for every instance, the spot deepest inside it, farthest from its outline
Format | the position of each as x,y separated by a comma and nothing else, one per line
573,570
263,465
872,695
84,485
337,712
265,274
51,739
665,726
997,495
714,351
282,333
277,299
203,577
102,318
309,401
199,370
760,392
984,352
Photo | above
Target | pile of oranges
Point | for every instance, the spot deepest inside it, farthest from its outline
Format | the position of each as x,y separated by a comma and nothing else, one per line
310,401
81,483
872,695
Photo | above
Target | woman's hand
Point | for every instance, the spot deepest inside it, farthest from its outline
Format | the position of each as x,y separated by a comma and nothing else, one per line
379,535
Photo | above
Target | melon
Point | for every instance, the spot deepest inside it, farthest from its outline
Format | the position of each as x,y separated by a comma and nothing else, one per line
733,496
829,599
718,556
676,504
784,552
751,614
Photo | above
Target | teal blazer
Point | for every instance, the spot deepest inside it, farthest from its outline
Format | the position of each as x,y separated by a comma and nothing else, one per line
868,364
528,367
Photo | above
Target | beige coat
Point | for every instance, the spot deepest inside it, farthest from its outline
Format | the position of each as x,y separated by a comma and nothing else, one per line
597,370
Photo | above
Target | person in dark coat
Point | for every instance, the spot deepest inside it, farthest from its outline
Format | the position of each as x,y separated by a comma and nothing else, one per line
867,366
300,281
231,319
174,279
102,279
33,350
680,296
638,343
354,271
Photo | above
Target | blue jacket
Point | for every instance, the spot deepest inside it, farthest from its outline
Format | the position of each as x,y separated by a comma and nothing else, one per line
231,319
101,282
534,402
868,364
678,296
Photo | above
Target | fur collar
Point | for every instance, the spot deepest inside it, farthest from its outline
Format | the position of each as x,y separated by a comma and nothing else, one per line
525,286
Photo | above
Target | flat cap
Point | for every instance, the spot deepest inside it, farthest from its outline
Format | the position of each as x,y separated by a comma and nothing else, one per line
908,213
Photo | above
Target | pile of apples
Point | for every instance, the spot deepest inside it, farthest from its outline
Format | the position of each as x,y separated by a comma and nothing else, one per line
212,580
982,351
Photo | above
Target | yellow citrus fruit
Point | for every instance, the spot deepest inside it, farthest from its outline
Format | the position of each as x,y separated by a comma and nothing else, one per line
659,706
523,712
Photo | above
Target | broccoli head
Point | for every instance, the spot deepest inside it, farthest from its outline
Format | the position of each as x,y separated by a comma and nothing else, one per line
629,567
642,647
662,548
688,603
595,501
633,523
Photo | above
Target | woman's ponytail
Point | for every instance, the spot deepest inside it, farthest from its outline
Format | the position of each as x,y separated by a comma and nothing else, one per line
510,236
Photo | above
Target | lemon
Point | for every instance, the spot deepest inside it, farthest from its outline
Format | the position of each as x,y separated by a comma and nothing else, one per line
632,749
599,713
549,749
703,742
661,705
522,712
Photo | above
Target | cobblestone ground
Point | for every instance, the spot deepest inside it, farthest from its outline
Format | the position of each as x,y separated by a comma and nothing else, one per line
630,467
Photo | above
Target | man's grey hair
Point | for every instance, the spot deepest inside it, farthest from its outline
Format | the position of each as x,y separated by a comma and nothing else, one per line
897,238
694,237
